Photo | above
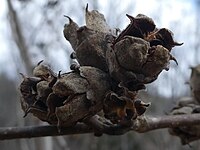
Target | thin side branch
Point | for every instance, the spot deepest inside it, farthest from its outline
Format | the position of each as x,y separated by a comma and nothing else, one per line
140,125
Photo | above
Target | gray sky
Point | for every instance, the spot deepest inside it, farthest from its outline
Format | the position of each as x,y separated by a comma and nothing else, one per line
166,13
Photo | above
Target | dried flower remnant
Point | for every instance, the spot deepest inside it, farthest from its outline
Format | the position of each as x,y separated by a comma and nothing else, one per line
111,71
124,107
29,101
141,50
68,99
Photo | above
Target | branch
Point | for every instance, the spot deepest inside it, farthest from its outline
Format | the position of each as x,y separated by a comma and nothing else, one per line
154,123
140,125
40,131
18,37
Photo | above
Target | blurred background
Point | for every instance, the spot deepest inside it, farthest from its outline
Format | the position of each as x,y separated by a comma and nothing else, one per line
31,30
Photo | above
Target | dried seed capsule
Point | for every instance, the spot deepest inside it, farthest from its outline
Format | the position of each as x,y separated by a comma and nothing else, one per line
42,71
156,62
28,90
139,27
43,90
85,89
164,37
69,84
119,108
92,48
131,53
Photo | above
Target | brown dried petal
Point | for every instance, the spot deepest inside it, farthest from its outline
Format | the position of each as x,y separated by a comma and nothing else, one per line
131,30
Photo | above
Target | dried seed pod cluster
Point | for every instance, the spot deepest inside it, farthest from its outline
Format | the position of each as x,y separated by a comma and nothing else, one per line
112,71
142,51
64,99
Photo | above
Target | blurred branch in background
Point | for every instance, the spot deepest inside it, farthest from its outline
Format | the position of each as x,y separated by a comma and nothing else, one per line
19,37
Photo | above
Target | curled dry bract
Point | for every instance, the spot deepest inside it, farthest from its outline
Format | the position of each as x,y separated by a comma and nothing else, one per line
70,32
